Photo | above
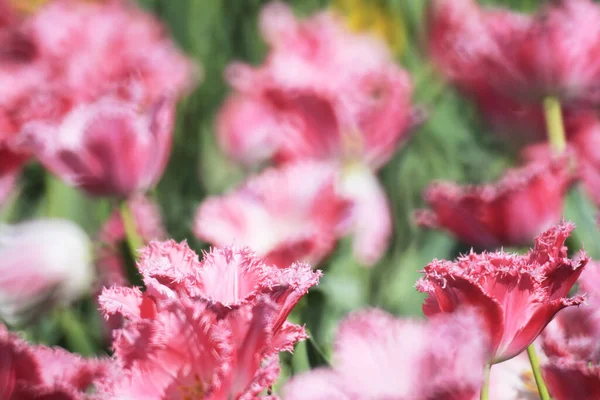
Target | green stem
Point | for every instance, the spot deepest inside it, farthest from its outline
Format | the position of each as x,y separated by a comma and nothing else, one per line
537,373
485,389
312,345
75,333
554,124
134,241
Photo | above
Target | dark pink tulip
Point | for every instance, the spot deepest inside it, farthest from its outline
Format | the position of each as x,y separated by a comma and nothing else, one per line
553,53
572,380
572,343
39,372
517,295
510,212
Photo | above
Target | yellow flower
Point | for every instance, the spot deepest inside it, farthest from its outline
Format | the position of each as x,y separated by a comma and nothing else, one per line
376,17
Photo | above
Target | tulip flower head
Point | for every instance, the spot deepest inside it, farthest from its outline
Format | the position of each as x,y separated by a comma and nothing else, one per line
43,263
571,342
327,94
286,214
511,212
208,329
39,372
335,95
552,53
95,105
517,295
378,356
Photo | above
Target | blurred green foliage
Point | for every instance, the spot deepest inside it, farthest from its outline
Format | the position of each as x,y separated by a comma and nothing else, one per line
453,143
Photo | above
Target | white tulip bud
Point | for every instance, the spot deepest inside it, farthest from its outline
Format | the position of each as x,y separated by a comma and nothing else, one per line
43,263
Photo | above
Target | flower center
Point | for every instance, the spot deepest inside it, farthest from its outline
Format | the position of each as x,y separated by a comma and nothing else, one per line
195,391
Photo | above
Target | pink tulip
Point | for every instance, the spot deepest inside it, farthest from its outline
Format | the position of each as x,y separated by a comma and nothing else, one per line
335,95
107,148
209,329
287,214
90,91
377,356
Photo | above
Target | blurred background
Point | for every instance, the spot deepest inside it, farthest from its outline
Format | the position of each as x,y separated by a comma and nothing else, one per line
453,143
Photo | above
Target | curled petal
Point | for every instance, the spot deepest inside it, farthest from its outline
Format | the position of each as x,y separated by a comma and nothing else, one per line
288,286
168,267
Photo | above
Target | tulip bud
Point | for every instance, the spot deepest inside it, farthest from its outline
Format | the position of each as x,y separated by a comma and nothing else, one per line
43,263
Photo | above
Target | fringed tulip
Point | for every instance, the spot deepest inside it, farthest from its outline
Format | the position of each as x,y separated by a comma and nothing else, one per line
207,329
94,99
43,263
84,59
335,94
517,295
110,48
553,53
462,36
38,372
285,215
557,55
327,94
510,212
377,356
572,343
572,380
107,148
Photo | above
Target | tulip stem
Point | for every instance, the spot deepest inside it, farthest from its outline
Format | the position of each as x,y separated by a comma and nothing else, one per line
537,373
75,334
485,389
554,124
134,241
